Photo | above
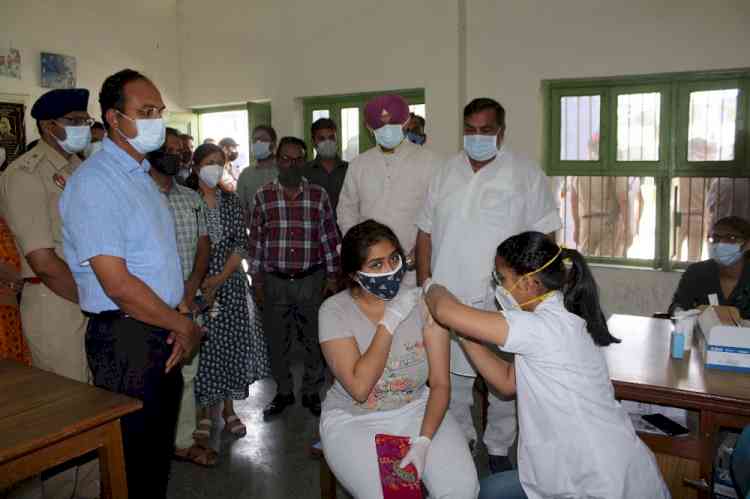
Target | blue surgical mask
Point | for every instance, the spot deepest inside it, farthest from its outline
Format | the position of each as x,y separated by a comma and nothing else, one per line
726,254
480,147
77,138
389,136
150,134
384,286
415,138
261,150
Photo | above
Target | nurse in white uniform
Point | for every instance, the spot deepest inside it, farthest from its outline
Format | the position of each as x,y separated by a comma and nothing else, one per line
575,440
479,198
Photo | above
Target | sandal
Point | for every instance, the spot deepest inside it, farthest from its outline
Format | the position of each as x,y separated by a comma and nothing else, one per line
234,426
196,454
203,432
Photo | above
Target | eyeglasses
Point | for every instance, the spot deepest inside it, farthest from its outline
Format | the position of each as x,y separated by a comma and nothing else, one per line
76,121
725,238
149,113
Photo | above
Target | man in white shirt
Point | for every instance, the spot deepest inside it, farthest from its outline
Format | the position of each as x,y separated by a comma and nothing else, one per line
479,198
389,182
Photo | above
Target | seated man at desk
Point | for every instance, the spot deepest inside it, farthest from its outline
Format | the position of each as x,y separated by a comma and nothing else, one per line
726,274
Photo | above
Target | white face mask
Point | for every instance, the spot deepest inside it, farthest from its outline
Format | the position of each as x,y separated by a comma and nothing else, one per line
505,299
210,175
261,150
77,138
389,136
327,149
150,136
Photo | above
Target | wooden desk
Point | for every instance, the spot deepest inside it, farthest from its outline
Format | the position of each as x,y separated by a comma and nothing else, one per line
46,420
642,369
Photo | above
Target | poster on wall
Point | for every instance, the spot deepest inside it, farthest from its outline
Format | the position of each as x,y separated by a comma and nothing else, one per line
10,63
58,71
12,132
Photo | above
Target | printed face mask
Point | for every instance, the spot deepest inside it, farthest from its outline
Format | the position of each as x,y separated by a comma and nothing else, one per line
384,286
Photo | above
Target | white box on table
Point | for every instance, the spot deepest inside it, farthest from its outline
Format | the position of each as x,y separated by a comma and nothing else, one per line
724,344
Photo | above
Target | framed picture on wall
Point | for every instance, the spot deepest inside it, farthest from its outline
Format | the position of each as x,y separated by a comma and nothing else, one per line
12,132
58,71
10,63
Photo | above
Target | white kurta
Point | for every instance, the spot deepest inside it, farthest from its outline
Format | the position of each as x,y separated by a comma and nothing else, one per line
469,214
575,439
389,188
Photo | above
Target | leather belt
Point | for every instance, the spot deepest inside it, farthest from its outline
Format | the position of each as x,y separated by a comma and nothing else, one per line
106,315
297,275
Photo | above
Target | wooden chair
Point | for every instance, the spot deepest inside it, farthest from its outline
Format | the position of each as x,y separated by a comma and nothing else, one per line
328,481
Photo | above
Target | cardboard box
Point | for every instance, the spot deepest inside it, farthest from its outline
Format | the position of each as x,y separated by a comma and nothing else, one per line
724,340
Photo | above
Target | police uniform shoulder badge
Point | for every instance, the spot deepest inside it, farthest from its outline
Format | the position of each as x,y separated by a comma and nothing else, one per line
59,180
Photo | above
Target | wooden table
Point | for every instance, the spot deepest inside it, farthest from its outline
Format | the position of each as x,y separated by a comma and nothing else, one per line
46,420
642,369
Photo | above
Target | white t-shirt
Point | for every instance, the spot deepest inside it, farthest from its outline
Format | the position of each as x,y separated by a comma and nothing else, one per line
406,371
469,214
574,440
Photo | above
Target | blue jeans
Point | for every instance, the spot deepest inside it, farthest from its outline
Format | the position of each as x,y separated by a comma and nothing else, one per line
505,485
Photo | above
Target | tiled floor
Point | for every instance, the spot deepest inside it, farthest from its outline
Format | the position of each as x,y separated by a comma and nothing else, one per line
271,462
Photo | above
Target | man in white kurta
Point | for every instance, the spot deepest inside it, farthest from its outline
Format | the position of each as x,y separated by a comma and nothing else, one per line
389,182
479,198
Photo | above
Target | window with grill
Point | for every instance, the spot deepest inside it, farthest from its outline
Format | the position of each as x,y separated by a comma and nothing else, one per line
646,164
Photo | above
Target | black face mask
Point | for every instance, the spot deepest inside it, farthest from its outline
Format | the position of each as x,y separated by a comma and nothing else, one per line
233,156
186,157
290,177
166,163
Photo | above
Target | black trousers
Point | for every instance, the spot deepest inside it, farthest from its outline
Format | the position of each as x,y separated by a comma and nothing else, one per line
129,357
291,311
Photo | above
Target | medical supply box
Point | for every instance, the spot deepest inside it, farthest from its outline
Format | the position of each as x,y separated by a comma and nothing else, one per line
724,341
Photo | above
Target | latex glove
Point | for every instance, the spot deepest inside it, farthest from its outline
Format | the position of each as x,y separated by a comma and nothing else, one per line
426,285
399,308
417,454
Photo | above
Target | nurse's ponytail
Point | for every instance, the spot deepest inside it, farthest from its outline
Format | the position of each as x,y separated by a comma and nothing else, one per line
582,297
534,253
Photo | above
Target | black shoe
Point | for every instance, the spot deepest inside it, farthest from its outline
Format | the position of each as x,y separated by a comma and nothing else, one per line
498,464
312,402
277,405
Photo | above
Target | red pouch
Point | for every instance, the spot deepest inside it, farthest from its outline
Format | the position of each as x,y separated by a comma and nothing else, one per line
397,483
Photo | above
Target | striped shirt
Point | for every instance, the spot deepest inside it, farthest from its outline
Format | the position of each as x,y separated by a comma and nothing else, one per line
292,236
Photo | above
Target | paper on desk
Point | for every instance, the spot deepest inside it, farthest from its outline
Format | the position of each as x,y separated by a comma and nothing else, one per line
637,409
